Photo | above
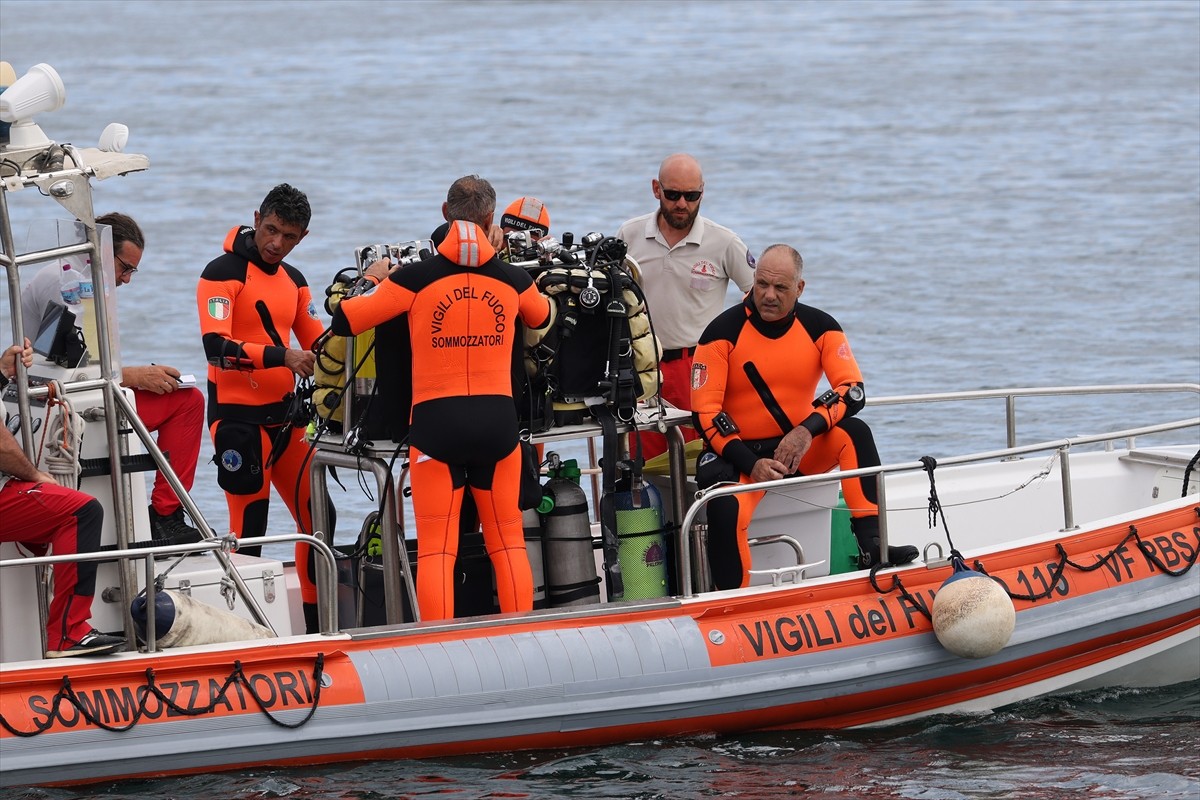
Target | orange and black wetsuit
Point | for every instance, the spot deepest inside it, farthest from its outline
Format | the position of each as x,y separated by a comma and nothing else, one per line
463,305
762,377
248,311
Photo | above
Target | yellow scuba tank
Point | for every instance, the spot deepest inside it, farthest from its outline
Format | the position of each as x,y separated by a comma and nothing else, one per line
329,369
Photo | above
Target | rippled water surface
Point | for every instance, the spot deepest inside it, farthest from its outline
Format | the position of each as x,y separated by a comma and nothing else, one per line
985,193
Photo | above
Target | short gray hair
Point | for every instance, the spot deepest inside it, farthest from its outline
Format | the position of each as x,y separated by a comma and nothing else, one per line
471,198
792,252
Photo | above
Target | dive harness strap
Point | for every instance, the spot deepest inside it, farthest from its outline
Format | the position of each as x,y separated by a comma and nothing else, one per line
768,398
608,512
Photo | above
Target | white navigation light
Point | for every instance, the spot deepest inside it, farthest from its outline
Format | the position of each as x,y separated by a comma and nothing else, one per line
38,90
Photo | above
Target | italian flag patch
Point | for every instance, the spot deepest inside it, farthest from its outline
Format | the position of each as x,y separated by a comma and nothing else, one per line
218,307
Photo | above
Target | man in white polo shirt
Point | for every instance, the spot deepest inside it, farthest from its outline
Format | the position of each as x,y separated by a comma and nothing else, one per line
686,262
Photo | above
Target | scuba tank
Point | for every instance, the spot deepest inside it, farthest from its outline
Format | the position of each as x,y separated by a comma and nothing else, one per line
532,521
643,547
571,577
329,369
387,416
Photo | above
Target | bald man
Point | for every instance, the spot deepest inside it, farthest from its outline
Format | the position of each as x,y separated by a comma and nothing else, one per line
686,262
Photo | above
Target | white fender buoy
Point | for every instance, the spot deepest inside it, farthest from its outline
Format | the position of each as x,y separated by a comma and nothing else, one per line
181,620
973,617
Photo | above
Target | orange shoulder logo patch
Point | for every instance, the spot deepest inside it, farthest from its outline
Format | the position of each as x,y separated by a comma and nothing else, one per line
843,351
699,375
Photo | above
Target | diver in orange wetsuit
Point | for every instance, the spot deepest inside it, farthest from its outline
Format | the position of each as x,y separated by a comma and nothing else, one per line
754,378
250,302
463,305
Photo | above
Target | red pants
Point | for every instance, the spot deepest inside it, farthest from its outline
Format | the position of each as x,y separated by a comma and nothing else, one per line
178,418
437,492
69,521
676,390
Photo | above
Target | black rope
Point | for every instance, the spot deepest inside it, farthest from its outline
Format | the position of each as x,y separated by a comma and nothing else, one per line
1188,471
66,694
898,585
1065,561
1056,572
935,505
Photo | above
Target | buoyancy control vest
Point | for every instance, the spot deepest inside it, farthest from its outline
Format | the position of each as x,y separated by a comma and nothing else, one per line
381,369
602,345
599,359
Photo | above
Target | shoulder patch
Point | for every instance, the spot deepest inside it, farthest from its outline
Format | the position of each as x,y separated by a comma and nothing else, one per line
750,259
699,374
218,307
312,309
843,351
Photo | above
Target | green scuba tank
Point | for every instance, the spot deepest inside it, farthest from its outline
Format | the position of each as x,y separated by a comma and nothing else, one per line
643,547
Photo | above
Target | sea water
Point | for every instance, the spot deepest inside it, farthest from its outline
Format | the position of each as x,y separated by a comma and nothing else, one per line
985,193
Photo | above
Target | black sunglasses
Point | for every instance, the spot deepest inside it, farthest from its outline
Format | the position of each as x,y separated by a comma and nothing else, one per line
674,194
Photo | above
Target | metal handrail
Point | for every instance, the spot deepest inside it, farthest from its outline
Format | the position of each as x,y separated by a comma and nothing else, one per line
326,572
164,466
79,204
1010,397
704,496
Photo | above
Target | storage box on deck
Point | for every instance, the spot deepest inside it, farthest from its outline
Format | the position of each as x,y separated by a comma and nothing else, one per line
201,577
802,512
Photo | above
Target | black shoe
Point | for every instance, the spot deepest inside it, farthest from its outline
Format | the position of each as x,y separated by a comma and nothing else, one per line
172,528
866,531
902,554
897,555
93,643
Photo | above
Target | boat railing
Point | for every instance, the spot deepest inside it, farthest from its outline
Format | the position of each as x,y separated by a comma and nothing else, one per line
70,187
1010,397
221,548
129,413
689,532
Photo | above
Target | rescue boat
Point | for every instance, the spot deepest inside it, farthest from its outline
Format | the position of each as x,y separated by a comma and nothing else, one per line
1078,554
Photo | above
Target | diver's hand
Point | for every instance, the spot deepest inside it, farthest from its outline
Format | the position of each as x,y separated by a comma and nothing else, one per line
792,448
768,469
380,269
300,362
